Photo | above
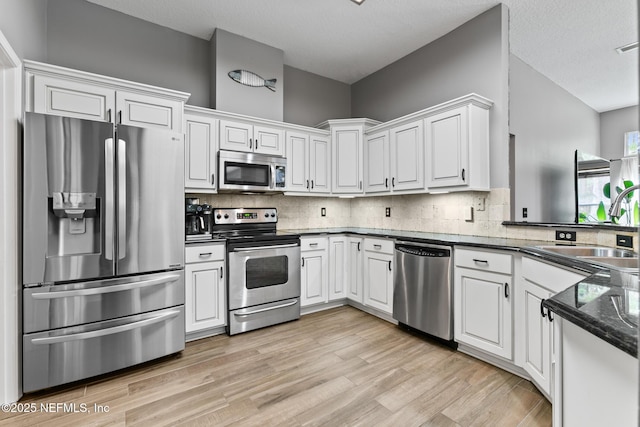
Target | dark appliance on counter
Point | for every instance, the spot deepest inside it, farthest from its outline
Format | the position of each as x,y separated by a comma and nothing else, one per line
198,220
263,264
423,290
103,259
251,172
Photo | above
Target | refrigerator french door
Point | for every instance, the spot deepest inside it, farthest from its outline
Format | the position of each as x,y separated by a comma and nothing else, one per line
103,258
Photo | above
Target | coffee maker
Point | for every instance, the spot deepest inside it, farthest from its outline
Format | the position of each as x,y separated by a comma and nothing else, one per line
198,220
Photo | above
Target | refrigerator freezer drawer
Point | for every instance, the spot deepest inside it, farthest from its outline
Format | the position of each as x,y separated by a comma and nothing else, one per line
61,356
60,306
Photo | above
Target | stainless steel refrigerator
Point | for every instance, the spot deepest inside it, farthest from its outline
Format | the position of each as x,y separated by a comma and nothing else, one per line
102,248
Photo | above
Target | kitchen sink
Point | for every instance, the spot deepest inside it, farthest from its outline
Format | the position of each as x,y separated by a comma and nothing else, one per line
619,262
591,252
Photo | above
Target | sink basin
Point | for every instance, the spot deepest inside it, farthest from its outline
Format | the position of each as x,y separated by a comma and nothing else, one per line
591,251
619,262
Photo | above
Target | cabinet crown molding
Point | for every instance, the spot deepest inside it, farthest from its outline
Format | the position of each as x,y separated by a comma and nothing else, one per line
41,68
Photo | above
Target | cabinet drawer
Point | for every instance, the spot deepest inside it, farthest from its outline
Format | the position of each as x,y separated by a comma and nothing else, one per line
553,278
483,260
384,246
202,253
313,243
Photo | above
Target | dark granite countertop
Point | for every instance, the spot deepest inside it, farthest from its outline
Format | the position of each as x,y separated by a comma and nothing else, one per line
604,304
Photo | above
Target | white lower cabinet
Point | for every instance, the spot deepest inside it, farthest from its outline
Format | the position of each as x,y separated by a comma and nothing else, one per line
314,283
378,274
337,267
355,269
205,300
539,282
483,301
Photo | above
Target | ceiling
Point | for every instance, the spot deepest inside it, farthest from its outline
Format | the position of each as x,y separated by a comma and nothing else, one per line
571,42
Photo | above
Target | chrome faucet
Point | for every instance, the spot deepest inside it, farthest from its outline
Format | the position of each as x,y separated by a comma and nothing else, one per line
616,205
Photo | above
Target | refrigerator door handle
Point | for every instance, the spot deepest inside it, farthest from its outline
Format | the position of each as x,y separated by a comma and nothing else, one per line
109,220
108,331
101,290
122,199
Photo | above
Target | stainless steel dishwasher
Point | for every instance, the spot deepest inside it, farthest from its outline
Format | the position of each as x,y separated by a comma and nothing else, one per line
423,292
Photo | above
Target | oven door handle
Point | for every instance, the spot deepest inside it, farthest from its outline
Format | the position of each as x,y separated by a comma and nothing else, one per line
258,248
262,310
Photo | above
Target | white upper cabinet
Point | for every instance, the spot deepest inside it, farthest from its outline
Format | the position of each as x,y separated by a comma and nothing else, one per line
50,89
376,163
407,157
308,157
457,145
200,150
241,136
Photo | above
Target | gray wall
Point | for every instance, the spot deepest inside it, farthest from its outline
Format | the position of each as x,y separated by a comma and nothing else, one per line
24,24
92,38
234,52
549,124
471,58
310,99
613,125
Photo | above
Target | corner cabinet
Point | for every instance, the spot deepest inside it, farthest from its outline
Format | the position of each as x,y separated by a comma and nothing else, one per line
457,145
483,301
200,150
347,154
60,91
205,290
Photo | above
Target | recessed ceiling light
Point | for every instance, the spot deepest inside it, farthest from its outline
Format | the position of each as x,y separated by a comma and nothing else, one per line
625,48
358,2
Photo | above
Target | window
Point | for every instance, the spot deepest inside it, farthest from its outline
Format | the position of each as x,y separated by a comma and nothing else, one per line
631,141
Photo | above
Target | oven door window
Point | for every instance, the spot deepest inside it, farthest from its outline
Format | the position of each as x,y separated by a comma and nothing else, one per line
246,174
268,271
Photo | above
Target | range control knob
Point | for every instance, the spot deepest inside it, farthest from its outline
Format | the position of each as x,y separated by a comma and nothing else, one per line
218,216
226,216
273,215
266,215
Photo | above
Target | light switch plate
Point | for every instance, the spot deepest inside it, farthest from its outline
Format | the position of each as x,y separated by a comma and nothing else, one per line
468,213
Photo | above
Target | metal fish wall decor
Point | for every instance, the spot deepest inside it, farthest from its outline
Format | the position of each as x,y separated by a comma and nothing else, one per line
248,78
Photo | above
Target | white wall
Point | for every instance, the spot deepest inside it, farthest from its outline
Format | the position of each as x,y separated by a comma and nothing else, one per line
549,124
24,24
613,125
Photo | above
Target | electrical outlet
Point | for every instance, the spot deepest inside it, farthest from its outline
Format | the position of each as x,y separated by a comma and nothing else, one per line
568,236
624,241
323,211
387,212
524,212
480,203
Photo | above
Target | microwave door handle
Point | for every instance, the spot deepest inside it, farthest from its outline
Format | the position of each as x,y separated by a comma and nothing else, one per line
272,184
122,199
109,220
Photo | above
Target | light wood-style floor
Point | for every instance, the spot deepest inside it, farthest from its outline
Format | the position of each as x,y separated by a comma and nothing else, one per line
339,367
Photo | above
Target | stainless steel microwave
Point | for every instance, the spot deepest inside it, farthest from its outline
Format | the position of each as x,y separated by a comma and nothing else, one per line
251,172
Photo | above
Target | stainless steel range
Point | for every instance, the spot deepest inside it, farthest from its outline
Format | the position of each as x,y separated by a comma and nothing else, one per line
263,280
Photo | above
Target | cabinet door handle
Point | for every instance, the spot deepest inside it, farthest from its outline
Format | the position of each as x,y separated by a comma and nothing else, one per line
542,313
389,265
303,261
313,244
361,185
480,261
213,179
120,117
307,184
506,290
463,174
393,182
549,315
205,254
377,246
312,184
358,246
221,272
386,183
109,115
250,143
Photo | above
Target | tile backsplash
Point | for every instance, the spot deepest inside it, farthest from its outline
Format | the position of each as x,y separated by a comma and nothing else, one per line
439,213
